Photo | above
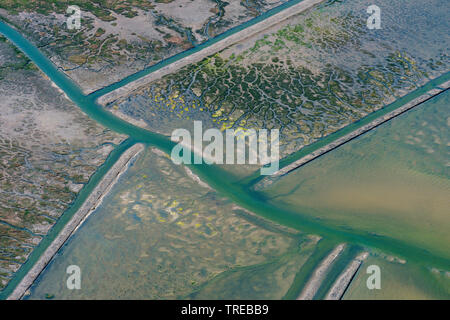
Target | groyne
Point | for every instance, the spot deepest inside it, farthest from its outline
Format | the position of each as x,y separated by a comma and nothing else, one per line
313,284
343,281
352,135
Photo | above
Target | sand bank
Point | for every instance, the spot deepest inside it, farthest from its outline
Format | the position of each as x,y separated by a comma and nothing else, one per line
313,284
341,284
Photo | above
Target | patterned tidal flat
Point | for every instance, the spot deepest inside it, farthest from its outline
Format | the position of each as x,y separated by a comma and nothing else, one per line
49,150
118,38
309,76
393,181
161,235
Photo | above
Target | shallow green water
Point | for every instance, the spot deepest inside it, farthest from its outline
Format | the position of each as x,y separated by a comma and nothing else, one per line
222,181
323,248
339,266
392,182
399,281
160,235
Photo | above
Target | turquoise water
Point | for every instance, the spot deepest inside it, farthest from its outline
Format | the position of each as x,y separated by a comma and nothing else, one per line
86,104
82,195
393,181
220,180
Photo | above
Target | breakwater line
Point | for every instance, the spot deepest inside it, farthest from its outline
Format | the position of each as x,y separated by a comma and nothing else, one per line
313,284
341,137
89,205
225,182
343,281
65,217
